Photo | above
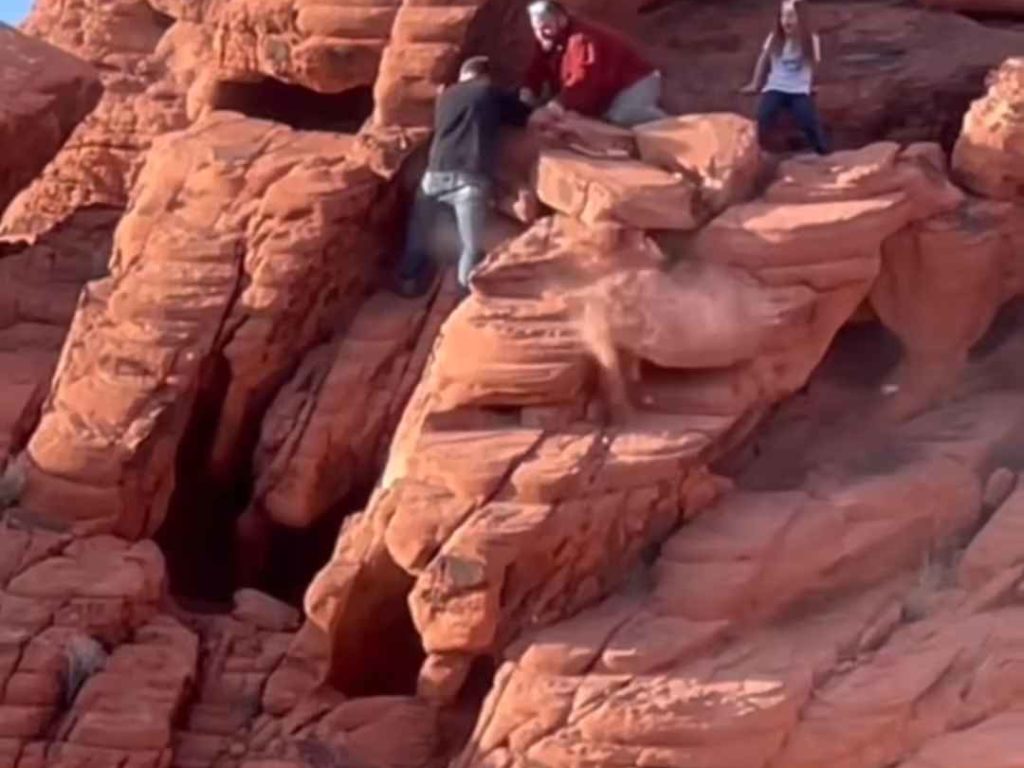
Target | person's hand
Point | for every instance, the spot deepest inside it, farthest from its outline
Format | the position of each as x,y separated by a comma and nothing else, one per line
542,121
540,118
547,115
556,109
749,89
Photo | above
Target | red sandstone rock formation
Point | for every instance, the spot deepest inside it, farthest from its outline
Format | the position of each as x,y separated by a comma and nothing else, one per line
95,167
652,594
245,242
471,496
986,158
39,288
44,94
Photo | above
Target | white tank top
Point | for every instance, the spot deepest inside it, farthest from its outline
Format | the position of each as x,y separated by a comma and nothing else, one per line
790,71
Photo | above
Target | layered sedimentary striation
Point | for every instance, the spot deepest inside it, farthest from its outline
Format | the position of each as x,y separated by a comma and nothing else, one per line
650,495
213,297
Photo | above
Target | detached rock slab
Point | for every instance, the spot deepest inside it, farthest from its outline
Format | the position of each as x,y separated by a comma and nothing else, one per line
44,93
626,192
717,151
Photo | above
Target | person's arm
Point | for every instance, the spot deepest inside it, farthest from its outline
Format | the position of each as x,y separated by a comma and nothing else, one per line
536,78
760,73
581,90
513,110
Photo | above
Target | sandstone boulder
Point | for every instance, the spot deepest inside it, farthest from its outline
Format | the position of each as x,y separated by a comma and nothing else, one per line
46,92
141,99
324,436
987,159
624,192
941,284
719,152
502,473
39,287
210,261
917,171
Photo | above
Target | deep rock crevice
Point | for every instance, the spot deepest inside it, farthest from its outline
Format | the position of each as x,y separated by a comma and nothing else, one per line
296,106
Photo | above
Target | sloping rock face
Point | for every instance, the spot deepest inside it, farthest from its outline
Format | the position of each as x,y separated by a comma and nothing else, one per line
245,241
41,283
96,672
840,607
140,101
507,500
791,626
45,93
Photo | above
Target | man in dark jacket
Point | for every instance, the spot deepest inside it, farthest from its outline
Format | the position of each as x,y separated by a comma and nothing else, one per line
586,68
467,120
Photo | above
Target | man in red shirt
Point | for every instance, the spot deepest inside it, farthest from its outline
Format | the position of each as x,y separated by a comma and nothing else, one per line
589,69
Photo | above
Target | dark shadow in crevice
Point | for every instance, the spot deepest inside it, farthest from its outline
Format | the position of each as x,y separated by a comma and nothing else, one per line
295,106
1007,323
198,533
295,555
458,719
378,650
995,20
162,20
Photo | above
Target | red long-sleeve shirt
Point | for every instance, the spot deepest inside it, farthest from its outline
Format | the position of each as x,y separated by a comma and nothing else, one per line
588,70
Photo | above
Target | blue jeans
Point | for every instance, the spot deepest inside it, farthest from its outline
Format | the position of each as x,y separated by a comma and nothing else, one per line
469,196
801,106
637,104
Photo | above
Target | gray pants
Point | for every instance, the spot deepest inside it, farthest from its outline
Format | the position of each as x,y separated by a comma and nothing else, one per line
469,196
638,103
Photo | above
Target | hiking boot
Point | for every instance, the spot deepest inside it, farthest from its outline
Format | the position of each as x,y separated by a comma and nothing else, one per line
418,285
409,287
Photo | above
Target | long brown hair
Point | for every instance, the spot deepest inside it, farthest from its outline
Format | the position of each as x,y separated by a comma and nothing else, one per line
804,33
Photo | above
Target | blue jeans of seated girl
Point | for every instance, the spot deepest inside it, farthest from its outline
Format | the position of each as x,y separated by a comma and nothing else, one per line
802,107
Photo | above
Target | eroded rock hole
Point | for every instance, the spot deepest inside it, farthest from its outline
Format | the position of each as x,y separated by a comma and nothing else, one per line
296,106
378,651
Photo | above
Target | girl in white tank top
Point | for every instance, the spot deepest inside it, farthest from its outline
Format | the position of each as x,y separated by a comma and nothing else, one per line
784,75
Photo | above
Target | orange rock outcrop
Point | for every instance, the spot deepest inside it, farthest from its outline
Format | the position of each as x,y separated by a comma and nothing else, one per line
715,466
